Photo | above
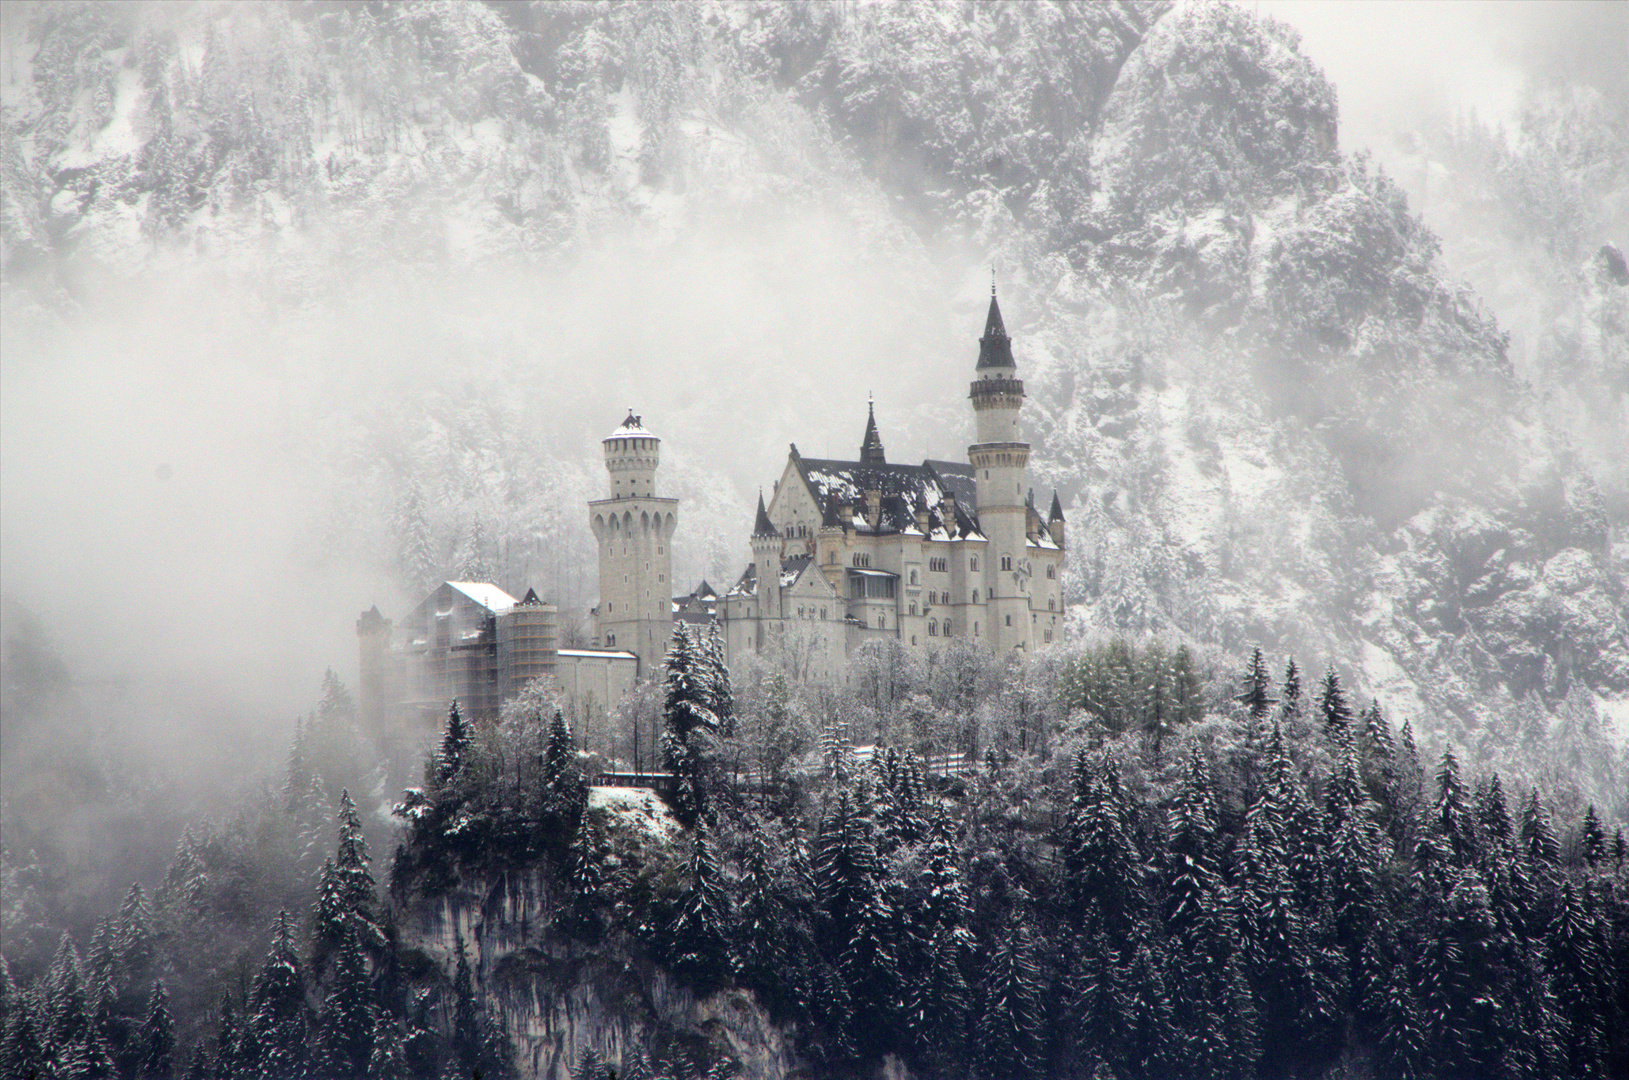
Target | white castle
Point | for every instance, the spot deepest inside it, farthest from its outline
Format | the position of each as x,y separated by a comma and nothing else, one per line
845,552
850,551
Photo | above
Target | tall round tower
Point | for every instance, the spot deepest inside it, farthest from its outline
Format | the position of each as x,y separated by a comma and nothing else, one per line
1000,466
634,531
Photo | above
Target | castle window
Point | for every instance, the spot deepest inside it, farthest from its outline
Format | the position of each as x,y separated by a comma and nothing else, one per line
975,596
975,629
973,563
913,577
913,607
1009,620
1051,604
939,564
933,628
1052,572
913,639
822,614
947,628
882,621
661,577
1048,634
610,606
610,639
1006,562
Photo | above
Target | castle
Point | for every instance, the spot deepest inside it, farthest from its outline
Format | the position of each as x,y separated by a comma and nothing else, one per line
851,551
845,552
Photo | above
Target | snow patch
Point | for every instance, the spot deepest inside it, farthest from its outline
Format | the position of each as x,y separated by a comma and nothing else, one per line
636,808
1399,696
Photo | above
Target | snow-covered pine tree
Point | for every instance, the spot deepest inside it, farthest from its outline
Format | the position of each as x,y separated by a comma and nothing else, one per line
689,725
276,1024
345,1024
586,880
565,789
1449,814
1256,692
700,940
719,696
1008,1031
455,747
155,1041
1335,712
346,900
417,567
1592,838
388,1059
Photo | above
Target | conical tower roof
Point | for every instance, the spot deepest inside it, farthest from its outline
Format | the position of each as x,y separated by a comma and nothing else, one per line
1057,510
762,526
871,445
995,347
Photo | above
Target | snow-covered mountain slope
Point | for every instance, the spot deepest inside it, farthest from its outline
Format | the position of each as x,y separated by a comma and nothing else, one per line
475,231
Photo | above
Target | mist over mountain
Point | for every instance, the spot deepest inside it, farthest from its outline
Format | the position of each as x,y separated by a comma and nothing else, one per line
282,283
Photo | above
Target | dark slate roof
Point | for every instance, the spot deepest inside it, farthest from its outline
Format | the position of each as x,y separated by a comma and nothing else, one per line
1057,510
762,526
958,478
902,488
995,347
530,597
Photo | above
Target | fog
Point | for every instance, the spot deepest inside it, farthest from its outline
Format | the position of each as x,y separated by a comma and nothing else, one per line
201,448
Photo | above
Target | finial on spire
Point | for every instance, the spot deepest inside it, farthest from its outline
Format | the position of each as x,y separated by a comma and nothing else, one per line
992,281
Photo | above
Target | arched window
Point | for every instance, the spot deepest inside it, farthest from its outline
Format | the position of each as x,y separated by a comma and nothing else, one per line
1006,562
933,628
913,577
947,628
975,596
1009,620
973,563
1052,572
975,629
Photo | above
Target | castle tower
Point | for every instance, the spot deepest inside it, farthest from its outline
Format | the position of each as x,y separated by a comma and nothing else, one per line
766,556
634,531
1000,465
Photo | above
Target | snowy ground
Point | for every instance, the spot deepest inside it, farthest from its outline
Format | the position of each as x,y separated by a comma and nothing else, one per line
637,808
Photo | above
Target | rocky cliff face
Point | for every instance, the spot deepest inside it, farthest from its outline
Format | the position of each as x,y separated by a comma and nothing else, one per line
561,1000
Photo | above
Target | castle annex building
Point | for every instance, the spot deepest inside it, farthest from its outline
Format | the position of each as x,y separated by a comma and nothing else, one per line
852,551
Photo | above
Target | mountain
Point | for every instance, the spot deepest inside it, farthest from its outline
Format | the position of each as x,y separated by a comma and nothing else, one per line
455,237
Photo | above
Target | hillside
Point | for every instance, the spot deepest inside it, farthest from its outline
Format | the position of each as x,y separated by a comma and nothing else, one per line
421,227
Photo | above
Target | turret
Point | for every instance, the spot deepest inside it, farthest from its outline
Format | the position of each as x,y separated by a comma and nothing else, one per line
1000,463
766,556
634,530
1054,521
871,444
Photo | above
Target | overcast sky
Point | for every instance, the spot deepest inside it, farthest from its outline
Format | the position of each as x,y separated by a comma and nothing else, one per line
1394,60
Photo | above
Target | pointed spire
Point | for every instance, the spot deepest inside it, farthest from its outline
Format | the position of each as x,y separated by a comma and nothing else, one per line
530,597
1057,510
995,347
762,526
871,445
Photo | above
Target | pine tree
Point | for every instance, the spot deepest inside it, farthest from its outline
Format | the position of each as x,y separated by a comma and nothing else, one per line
1592,839
416,564
588,886
1255,695
346,901
565,790
1007,1037
1103,867
702,934
346,1023
1336,713
1539,845
455,747
690,724
276,1025
155,1042
719,697
388,1058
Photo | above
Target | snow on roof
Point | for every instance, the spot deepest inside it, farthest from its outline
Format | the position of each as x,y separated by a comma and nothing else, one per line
611,654
486,594
871,573
632,428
